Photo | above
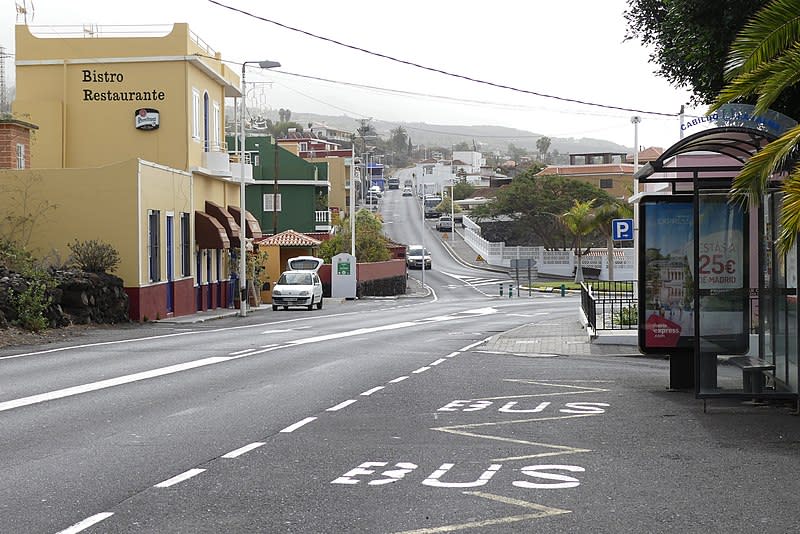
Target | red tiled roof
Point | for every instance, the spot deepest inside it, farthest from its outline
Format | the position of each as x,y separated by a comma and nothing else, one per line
290,238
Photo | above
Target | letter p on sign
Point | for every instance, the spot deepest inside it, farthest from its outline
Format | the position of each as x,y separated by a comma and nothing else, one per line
622,229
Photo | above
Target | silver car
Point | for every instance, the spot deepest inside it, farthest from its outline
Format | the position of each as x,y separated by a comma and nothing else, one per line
417,256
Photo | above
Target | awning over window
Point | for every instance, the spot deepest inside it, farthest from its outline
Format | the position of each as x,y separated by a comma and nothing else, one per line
227,221
208,232
253,228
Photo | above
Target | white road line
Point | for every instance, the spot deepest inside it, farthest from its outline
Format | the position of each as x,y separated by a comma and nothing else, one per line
398,379
240,352
371,391
86,523
471,345
437,362
350,333
241,450
341,405
456,353
292,428
111,382
421,370
179,478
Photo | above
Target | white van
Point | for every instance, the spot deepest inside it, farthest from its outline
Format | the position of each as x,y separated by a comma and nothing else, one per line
300,285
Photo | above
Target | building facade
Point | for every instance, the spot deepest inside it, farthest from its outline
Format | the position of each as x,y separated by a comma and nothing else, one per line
130,151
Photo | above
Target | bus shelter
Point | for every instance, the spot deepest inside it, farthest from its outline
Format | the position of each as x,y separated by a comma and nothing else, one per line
714,293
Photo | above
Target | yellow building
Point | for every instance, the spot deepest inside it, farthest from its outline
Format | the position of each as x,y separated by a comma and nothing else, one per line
130,151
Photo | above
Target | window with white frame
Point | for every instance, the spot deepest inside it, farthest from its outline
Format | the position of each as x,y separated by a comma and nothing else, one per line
270,203
20,156
215,128
197,114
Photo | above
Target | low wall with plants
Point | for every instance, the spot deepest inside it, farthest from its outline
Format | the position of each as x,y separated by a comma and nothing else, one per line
375,279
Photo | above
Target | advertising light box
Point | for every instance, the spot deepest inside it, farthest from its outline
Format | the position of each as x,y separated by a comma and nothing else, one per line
668,268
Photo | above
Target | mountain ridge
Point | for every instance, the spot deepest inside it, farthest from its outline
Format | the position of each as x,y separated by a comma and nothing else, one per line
491,137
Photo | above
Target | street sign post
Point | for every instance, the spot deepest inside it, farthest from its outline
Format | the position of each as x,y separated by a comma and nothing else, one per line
622,229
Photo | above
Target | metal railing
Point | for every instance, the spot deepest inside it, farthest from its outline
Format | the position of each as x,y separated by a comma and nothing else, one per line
610,305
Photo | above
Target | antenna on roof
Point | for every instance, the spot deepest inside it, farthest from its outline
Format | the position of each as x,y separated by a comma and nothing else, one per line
22,11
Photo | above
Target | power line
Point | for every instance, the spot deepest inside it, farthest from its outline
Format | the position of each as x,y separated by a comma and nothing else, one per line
440,71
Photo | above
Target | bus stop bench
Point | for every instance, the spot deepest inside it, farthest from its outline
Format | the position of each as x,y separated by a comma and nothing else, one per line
753,372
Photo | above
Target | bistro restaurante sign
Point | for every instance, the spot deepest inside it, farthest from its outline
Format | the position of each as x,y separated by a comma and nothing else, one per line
94,76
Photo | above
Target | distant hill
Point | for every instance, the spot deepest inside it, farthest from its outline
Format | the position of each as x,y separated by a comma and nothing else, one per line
490,137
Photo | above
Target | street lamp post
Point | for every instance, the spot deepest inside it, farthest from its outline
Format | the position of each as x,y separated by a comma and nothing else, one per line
635,120
242,232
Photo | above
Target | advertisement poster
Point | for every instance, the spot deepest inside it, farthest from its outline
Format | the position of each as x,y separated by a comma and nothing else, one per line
668,269
722,277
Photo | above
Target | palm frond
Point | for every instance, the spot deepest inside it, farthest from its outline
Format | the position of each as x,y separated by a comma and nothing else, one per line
789,218
770,32
750,183
784,73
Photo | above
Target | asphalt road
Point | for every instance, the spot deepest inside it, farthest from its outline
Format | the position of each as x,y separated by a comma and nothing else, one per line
378,416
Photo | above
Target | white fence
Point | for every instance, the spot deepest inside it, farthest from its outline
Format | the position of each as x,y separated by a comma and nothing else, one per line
550,262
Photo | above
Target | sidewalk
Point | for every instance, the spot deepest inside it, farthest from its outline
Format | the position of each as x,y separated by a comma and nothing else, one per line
570,338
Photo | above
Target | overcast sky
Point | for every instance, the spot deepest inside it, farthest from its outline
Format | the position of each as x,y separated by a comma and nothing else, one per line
570,49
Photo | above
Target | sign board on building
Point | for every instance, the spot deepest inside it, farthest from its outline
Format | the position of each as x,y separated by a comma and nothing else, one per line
146,119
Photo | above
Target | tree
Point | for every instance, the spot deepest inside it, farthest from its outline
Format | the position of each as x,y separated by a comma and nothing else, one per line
463,189
604,214
543,145
534,203
516,153
579,220
281,129
690,39
764,61
371,244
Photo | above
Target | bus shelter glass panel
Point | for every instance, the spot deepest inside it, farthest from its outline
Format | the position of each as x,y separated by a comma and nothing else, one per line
779,306
722,298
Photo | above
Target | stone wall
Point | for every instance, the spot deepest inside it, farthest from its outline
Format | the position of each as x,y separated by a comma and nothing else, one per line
78,298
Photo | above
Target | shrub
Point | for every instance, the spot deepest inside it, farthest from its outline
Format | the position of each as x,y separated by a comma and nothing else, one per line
627,316
31,304
94,256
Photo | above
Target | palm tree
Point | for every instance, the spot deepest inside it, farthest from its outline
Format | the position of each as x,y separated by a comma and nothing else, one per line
579,220
764,60
603,215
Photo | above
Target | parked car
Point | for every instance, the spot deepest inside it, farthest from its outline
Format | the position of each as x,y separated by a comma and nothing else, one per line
300,285
417,256
371,199
445,223
408,192
376,191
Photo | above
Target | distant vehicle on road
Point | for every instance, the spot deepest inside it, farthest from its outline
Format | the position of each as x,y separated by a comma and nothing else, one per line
417,256
429,205
393,182
445,223
408,192
408,183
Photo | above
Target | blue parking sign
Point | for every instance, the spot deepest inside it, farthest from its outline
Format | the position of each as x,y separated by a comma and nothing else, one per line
622,229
